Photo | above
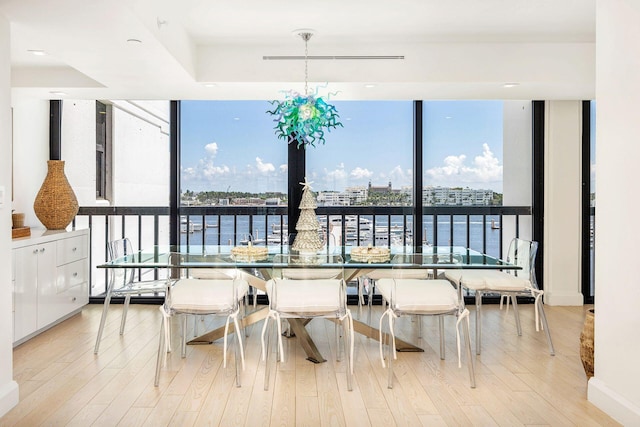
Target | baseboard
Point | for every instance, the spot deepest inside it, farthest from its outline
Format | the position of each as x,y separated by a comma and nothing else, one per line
9,396
616,406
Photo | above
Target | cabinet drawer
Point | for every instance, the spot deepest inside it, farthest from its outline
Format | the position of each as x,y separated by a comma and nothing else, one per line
70,275
72,249
61,304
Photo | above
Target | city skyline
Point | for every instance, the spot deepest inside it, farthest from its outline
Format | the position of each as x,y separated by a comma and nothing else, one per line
231,146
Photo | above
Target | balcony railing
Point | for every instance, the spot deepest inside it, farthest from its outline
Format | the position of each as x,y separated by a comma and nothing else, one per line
484,228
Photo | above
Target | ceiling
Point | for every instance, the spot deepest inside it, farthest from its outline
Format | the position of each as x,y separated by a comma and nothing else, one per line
214,49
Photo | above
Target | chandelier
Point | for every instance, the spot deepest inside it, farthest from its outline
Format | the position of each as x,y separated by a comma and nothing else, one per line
303,118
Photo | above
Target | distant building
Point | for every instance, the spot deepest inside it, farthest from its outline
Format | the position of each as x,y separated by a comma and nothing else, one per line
456,196
373,189
248,201
332,198
357,194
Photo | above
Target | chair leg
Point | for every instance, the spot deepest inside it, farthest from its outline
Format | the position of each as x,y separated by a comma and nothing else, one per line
390,354
105,308
478,321
545,325
514,302
370,300
467,339
125,309
238,350
266,352
183,344
441,325
338,331
161,351
347,338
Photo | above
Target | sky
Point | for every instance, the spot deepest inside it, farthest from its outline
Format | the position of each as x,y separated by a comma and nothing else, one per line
232,146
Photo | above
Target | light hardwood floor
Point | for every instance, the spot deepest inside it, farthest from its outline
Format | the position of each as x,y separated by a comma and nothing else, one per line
518,383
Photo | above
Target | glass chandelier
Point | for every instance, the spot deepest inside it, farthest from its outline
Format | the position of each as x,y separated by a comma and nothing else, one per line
303,118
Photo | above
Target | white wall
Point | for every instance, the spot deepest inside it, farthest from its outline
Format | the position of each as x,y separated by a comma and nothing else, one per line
562,203
79,148
615,386
8,387
30,153
518,167
140,153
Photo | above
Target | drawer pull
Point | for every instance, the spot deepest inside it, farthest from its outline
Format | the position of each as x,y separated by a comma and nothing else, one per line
75,274
35,251
73,299
41,250
74,249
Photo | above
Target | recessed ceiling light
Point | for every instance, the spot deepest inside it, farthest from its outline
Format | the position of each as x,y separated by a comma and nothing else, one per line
236,118
210,85
511,84
448,117
57,92
134,41
369,85
37,52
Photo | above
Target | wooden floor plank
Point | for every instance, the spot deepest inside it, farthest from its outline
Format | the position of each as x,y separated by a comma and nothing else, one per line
518,383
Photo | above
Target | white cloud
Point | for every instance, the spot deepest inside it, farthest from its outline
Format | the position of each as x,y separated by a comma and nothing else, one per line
211,148
264,167
485,169
189,173
360,173
399,176
336,174
284,168
210,170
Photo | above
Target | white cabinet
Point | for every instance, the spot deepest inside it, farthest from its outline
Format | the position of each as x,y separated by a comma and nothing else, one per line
50,279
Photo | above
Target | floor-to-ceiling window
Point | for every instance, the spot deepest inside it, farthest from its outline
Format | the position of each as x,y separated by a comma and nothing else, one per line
463,167
230,156
366,163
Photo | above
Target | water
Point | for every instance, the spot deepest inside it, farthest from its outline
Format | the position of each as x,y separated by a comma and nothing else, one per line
214,233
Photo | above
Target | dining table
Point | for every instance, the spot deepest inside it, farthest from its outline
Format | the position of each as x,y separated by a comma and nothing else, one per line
257,270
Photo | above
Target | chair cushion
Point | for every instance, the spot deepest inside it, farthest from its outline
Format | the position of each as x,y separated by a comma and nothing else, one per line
420,296
473,279
492,280
212,273
311,273
408,273
305,296
206,295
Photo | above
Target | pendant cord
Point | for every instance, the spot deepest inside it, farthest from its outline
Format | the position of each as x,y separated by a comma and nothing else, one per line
306,66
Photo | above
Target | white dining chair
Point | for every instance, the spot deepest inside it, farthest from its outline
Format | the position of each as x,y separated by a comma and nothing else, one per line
308,287
122,283
407,295
509,282
219,296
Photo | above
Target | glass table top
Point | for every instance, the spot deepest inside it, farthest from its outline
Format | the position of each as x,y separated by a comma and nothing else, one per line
214,256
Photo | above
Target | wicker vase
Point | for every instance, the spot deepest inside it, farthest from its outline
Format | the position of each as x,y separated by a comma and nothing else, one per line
586,343
56,204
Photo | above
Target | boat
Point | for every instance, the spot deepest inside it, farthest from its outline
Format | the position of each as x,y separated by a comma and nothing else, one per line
189,226
255,240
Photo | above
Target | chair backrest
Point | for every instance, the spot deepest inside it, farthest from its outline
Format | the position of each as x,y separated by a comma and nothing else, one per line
121,277
411,266
315,266
523,254
220,288
307,284
405,266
